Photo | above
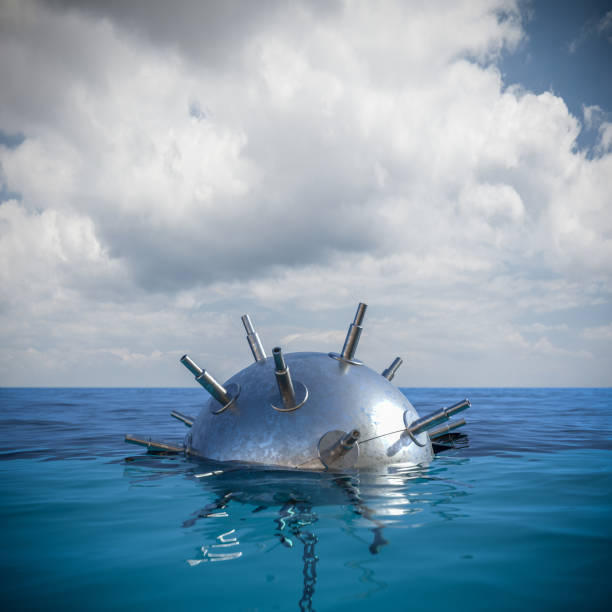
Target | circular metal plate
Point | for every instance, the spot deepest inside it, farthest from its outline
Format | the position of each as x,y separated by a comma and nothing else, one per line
412,437
344,360
301,395
328,443
233,390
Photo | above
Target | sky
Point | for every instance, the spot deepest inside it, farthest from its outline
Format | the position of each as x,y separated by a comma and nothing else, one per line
168,167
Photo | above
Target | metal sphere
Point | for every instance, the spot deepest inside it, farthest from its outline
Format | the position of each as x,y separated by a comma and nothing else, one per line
309,411
340,398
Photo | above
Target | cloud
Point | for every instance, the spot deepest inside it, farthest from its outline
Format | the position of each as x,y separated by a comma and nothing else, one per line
593,115
209,32
604,144
595,27
604,26
291,159
601,332
224,182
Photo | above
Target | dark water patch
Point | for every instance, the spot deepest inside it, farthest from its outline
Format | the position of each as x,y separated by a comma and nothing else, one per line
499,421
526,420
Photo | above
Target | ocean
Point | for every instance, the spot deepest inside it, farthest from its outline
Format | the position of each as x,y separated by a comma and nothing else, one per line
517,516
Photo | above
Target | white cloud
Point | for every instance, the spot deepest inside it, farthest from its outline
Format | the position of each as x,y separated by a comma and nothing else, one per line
601,332
592,115
604,144
314,157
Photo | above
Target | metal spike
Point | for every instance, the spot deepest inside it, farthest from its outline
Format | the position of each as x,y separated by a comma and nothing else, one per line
429,421
352,338
225,397
182,417
153,445
283,378
339,450
292,394
441,431
259,354
389,373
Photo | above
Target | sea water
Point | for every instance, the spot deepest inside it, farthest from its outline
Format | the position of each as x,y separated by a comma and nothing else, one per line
518,516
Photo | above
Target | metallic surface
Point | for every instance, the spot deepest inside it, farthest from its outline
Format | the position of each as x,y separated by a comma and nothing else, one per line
429,421
352,338
300,397
339,450
152,445
232,391
259,354
441,431
292,395
254,418
350,439
458,407
340,397
283,379
179,416
207,381
389,372
191,365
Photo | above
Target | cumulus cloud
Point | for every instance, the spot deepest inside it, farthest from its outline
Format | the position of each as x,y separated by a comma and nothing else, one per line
291,158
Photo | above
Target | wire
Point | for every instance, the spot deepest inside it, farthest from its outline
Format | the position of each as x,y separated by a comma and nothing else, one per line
382,435
360,442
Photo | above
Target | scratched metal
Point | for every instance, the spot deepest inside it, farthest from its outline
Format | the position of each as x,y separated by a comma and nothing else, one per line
340,396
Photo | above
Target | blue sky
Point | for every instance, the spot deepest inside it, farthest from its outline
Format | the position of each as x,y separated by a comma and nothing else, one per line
566,49
165,169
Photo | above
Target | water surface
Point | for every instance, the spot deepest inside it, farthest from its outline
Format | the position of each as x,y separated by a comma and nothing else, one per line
516,516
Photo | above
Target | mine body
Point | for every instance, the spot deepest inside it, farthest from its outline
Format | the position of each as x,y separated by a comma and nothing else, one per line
310,411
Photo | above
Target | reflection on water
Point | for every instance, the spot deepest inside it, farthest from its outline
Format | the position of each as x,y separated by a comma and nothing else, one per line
291,501
526,503
218,551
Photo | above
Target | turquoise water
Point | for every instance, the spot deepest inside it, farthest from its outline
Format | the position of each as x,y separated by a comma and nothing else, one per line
518,516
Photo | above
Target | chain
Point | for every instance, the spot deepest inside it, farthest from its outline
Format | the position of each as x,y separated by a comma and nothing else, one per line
295,516
310,569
